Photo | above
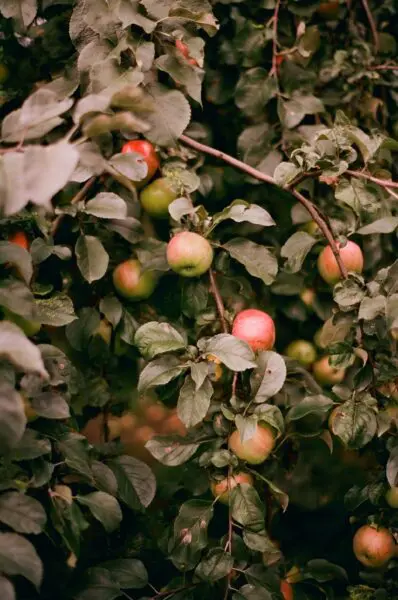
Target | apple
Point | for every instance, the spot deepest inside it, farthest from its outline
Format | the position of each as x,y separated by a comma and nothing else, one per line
308,297
30,413
222,488
20,239
373,547
173,425
155,414
326,374
184,50
286,590
30,328
293,575
302,351
215,368
64,492
256,450
392,497
189,254
389,389
256,328
156,197
329,10
351,255
148,152
131,283
310,227
104,330
94,429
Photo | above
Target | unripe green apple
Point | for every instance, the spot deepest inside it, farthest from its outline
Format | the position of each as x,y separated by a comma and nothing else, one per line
373,547
156,197
302,351
256,450
310,227
223,488
326,374
189,254
256,328
30,328
351,256
392,497
131,283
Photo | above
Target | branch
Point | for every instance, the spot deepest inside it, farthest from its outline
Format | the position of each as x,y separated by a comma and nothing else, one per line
274,68
386,183
372,24
384,68
238,164
218,300
75,200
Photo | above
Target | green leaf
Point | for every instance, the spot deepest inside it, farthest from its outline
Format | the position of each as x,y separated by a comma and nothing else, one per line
295,249
190,533
271,414
15,346
194,403
355,423
112,309
7,591
292,112
254,90
15,296
169,452
171,116
18,257
104,507
127,572
216,565
199,372
241,211
133,166
22,513
384,225
357,195
92,258
247,426
335,330
12,417
269,376
182,73
31,445
159,372
247,508
51,404
56,311
285,173
231,351
76,455
318,405
155,338
107,205
371,308
135,481
195,294
19,557
392,467
104,478
129,228
258,260
42,249
322,570
348,293
99,585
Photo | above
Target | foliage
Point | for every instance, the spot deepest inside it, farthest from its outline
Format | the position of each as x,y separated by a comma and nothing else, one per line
305,93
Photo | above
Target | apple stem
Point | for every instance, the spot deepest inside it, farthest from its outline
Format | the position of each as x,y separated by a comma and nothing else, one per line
218,300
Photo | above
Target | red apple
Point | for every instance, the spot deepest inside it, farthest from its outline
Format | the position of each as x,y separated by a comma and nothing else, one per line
223,488
148,152
131,283
351,255
256,450
256,328
373,547
326,374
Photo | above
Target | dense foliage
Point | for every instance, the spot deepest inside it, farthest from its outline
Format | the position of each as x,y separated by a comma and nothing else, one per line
199,372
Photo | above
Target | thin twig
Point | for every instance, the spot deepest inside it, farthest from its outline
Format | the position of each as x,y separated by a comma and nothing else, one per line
274,68
75,200
384,68
171,592
234,384
238,164
372,24
228,547
387,183
218,300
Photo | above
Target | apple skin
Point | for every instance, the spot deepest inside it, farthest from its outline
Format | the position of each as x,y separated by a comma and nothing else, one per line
173,425
308,297
326,374
351,255
189,254
20,239
156,197
131,283
302,351
147,150
184,50
286,590
256,450
64,492
220,488
392,497
373,547
30,328
256,328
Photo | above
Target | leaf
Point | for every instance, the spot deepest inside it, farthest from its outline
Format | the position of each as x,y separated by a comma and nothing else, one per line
22,513
355,423
190,532
132,165
199,372
19,557
392,467
99,585
135,481
129,229
317,405
241,211
16,347
247,508
231,351
51,404
254,90
18,257
384,225
295,249
216,565
371,308
155,338
76,453
56,311
12,417
104,507
285,173
92,258
16,297
106,205
195,294
247,426
112,309
271,414
159,372
258,260
357,195
182,73
31,445
42,249
269,376
171,117
169,452
7,591
335,330
194,403
127,572
348,293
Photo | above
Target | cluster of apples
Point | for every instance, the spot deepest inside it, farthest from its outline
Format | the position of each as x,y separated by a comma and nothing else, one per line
135,428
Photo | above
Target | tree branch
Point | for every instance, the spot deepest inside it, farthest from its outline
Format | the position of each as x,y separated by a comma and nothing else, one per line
238,164
274,68
372,24
218,300
386,183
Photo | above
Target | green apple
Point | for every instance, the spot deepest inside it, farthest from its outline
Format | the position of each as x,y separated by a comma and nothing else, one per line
189,254
302,351
392,497
156,197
